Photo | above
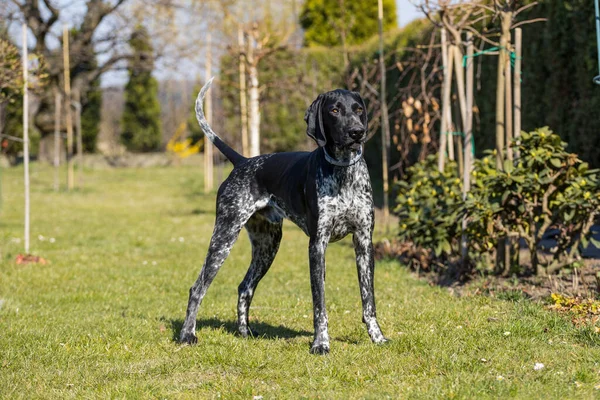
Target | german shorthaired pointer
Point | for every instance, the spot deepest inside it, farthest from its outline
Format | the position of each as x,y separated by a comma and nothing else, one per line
327,193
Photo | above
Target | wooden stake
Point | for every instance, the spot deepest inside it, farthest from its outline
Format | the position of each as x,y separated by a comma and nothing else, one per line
57,111
446,114
77,101
508,104
449,123
517,83
243,98
460,84
468,144
26,136
443,121
385,124
500,108
208,146
67,75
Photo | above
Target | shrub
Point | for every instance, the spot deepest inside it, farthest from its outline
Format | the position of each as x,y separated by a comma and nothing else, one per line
548,188
429,206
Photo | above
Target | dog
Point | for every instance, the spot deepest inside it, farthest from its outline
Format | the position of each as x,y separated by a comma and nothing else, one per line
327,193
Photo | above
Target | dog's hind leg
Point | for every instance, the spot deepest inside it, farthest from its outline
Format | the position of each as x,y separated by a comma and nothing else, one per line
264,231
232,214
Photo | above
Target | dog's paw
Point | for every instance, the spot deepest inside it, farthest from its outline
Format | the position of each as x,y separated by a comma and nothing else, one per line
381,341
188,338
319,349
246,331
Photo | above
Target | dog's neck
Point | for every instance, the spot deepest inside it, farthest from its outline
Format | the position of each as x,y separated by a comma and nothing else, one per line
342,157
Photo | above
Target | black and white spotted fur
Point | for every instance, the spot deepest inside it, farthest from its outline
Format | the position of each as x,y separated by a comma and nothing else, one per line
327,193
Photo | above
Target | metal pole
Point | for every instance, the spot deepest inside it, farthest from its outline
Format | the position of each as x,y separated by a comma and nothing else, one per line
26,135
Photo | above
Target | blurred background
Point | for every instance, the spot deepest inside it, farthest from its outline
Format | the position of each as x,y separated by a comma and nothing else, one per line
156,54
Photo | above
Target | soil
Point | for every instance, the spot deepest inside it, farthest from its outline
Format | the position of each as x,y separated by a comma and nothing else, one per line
582,282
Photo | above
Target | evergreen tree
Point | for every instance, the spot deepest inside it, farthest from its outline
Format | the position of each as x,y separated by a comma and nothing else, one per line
90,117
141,117
333,22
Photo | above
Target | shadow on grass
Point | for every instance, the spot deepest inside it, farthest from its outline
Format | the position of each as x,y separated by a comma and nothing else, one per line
261,330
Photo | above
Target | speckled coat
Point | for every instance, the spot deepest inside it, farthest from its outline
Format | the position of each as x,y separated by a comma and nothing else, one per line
327,193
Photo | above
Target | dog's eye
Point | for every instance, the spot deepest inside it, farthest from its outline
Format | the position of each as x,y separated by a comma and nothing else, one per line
335,111
359,110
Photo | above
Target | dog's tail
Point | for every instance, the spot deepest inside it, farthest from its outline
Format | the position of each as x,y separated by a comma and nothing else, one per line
227,151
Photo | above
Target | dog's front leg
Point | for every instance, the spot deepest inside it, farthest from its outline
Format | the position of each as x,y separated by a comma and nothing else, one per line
363,245
316,254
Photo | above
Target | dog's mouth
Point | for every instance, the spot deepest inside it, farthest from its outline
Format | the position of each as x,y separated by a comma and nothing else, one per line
355,145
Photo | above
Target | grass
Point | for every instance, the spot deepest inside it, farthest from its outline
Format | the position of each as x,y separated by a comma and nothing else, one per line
99,320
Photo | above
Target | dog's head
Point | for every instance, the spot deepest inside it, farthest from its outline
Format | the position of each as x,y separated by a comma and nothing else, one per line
339,119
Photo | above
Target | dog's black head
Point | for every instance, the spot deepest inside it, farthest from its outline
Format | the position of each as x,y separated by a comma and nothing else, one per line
338,119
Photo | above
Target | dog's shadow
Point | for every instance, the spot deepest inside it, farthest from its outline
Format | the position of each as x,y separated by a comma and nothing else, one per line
261,330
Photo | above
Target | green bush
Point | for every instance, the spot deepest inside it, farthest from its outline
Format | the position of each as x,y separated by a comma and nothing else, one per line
141,130
547,188
429,206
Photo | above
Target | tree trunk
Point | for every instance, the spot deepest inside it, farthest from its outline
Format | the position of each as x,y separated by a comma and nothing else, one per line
243,95
254,123
468,145
77,100
385,125
57,114
67,72
503,250
447,86
208,146
517,83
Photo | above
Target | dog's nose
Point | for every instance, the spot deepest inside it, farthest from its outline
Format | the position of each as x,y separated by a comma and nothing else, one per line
356,133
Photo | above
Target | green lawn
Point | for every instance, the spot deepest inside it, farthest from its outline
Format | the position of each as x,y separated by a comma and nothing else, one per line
99,320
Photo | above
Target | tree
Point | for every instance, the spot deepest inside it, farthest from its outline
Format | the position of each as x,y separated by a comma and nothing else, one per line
343,22
11,89
98,43
141,114
90,117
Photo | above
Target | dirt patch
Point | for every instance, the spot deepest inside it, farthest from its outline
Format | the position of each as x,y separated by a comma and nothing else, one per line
582,282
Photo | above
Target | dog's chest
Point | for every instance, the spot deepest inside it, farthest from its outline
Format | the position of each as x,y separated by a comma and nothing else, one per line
345,205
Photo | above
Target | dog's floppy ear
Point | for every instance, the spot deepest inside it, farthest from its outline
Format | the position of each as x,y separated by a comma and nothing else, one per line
314,121
364,118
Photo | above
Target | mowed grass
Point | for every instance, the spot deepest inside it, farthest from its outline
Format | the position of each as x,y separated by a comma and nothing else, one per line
100,320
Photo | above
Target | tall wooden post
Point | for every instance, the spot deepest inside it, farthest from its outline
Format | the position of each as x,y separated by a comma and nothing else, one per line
26,136
385,123
460,85
208,146
67,75
445,88
468,142
517,83
57,111
243,95
508,104
77,100
450,125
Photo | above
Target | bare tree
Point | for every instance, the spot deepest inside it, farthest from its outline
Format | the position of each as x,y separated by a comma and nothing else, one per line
98,43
